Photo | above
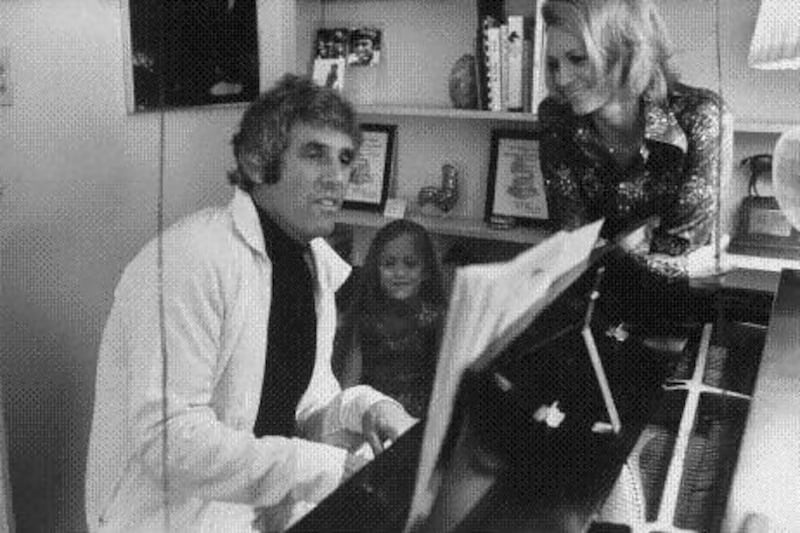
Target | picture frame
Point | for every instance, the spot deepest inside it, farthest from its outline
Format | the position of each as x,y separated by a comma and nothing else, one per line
329,72
516,190
365,47
764,231
188,54
368,186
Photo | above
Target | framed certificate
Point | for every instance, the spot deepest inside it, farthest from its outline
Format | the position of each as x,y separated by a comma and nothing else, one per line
764,230
515,187
368,187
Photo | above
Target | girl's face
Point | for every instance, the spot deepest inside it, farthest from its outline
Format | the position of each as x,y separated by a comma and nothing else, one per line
570,75
400,268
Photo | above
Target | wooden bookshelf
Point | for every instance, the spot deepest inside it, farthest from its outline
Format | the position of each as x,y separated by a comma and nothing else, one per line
445,113
741,125
422,40
452,226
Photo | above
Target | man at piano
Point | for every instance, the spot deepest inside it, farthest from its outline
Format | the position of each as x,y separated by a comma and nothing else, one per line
214,390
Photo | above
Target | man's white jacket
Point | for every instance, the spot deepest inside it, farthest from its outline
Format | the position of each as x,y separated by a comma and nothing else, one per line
172,444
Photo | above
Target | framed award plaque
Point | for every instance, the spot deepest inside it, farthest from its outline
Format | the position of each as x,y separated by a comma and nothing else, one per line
764,230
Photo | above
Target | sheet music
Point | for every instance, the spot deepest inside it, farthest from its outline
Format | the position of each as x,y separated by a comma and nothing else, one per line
484,314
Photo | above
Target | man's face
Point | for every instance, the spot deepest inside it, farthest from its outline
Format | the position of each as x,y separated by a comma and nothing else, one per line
314,170
363,50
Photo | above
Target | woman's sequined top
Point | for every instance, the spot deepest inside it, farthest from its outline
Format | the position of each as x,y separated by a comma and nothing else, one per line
399,347
674,175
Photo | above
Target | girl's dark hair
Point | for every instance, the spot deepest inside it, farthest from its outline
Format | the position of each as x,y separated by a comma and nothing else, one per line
368,296
368,290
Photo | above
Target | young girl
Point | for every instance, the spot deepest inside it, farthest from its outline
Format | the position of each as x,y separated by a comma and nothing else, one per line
390,334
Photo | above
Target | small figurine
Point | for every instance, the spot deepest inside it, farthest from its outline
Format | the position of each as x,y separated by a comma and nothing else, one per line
445,196
757,165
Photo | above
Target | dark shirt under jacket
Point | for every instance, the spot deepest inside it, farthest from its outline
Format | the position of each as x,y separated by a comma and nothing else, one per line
292,331
673,175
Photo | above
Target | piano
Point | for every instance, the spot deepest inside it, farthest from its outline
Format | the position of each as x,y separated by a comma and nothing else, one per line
707,432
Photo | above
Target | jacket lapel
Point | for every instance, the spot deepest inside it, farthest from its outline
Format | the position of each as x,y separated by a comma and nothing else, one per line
245,221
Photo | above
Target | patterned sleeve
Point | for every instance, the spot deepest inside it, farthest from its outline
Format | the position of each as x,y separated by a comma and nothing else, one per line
690,223
564,200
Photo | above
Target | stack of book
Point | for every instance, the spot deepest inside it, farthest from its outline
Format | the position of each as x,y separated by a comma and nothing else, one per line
509,49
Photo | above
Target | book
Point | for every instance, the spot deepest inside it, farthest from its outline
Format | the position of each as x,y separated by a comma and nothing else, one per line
527,70
538,88
490,305
480,70
504,66
485,10
491,33
515,40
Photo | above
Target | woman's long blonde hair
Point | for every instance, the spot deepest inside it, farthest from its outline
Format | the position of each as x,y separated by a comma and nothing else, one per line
620,33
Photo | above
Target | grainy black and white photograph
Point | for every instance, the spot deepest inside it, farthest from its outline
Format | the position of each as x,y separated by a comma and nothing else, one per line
413,266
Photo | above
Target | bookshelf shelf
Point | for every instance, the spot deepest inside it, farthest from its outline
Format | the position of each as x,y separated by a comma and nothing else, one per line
446,113
455,227
741,125
755,125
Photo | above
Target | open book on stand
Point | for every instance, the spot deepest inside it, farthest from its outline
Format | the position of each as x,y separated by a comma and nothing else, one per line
544,382
490,305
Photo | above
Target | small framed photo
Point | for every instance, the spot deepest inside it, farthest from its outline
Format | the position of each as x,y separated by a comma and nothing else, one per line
516,189
365,47
368,187
330,57
332,43
329,72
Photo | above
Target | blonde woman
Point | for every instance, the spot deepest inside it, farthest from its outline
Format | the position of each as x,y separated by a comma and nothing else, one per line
624,139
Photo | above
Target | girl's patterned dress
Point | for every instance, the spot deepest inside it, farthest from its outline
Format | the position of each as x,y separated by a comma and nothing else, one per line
399,346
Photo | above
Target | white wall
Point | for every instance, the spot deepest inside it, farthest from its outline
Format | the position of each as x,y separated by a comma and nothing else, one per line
769,96
6,513
81,185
